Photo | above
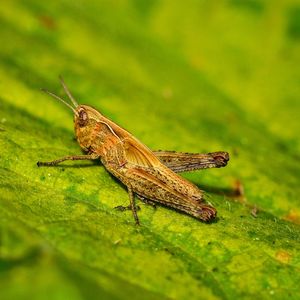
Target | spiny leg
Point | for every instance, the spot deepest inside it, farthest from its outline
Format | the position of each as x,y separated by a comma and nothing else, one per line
70,157
123,208
132,204
145,200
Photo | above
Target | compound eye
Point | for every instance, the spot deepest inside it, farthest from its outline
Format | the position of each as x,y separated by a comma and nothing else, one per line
83,118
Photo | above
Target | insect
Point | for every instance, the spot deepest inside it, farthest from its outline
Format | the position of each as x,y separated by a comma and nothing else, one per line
150,175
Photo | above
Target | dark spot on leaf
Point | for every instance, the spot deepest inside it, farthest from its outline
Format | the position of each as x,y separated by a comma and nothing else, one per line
47,22
283,256
293,216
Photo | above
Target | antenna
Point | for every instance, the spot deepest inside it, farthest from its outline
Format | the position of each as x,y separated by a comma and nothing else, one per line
60,99
68,92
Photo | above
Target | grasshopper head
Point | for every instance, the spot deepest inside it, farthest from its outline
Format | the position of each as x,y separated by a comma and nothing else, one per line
85,122
85,117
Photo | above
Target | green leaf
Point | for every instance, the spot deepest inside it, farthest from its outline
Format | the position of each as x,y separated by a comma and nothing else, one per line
193,76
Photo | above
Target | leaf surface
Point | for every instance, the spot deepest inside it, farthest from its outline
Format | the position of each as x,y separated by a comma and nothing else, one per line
192,77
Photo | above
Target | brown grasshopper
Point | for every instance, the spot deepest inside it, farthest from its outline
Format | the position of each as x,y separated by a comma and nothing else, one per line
151,175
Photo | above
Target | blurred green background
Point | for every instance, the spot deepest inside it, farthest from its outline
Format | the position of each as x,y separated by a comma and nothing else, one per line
193,76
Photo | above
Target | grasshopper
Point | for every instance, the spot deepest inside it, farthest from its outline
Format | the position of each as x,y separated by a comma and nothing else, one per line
150,175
